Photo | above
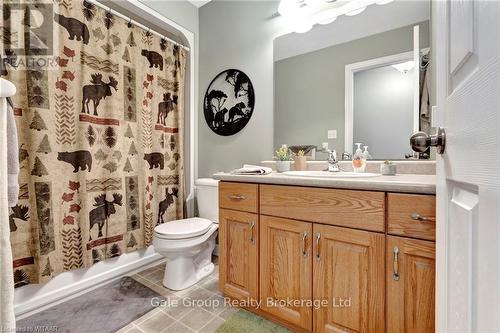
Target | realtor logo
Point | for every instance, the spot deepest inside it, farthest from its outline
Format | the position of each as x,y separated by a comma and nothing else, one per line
27,34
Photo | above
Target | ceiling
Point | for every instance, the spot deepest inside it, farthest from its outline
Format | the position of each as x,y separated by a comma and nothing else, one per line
199,3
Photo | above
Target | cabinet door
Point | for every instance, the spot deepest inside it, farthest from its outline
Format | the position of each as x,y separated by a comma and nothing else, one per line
410,285
349,279
239,260
286,269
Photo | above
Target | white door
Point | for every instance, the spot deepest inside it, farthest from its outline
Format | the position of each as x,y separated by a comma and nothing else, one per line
468,189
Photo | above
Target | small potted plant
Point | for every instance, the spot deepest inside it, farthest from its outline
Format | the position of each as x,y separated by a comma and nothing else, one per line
388,168
300,161
283,157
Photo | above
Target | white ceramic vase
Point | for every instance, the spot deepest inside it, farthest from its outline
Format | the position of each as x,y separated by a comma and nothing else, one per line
282,166
388,169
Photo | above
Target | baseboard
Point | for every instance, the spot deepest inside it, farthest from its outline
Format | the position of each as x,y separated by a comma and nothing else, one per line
31,299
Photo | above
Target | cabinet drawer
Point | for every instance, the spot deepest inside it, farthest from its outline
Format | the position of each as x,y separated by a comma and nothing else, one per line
412,215
346,208
238,196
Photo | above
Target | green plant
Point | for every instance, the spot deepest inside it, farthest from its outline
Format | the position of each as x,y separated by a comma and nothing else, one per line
283,154
300,153
387,162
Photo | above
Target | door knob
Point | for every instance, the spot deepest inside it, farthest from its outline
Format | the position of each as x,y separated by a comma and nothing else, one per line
421,141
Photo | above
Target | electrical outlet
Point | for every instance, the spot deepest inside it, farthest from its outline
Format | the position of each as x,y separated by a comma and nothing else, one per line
332,134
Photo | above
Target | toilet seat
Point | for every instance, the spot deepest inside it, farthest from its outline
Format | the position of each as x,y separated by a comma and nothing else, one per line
182,229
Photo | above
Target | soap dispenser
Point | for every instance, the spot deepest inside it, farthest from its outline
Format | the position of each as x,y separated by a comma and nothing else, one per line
358,159
366,154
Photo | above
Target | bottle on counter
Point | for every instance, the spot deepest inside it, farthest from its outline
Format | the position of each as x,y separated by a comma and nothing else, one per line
358,159
366,153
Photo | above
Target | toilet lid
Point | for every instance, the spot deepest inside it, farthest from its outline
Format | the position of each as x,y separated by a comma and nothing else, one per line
185,228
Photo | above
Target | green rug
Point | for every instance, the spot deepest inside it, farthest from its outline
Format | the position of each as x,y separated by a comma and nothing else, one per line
246,322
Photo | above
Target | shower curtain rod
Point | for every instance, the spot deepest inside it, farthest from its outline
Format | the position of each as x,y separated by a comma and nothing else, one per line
134,22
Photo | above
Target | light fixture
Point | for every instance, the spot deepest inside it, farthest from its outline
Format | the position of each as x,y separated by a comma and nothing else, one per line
302,15
325,17
302,25
327,20
356,12
297,13
404,67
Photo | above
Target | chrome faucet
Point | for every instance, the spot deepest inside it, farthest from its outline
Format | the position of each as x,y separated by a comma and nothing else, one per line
333,164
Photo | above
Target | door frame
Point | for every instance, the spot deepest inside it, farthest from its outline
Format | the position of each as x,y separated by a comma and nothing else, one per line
353,68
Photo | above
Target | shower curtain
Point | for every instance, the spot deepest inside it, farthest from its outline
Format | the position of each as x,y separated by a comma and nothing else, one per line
100,139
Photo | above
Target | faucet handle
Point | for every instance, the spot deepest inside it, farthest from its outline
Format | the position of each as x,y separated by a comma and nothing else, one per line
332,154
346,156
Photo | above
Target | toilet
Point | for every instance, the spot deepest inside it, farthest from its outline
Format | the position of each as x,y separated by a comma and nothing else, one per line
188,244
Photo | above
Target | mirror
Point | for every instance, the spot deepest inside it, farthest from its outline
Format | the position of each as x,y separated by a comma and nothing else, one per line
363,78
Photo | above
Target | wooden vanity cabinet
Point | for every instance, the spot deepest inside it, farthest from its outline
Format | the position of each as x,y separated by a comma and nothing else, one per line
239,255
410,258
410,281
349,274
280,243
346,208
286,269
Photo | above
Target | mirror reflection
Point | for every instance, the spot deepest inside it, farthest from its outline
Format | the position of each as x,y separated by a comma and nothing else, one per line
351,81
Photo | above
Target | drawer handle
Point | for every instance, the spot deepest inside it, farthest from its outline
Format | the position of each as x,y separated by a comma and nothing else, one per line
236,197
252,229
418,217
395,274
318,237
304,240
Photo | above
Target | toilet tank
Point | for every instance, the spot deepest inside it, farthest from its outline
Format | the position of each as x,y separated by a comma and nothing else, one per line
207,197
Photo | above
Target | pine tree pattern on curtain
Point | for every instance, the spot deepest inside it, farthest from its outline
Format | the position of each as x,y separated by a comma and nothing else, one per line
101,144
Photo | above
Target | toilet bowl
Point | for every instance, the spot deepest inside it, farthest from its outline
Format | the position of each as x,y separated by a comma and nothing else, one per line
187,244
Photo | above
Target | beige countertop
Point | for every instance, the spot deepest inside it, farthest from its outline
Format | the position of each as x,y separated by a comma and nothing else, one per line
407,183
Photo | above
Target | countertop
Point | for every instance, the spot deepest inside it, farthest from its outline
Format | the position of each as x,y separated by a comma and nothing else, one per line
407,183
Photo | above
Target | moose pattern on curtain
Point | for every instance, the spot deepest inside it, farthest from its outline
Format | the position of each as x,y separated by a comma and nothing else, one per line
101,146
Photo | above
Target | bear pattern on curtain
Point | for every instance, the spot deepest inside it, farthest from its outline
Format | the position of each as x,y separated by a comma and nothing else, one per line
101,147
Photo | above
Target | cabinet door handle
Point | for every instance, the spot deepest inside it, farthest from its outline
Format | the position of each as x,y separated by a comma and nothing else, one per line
418,217
236,197
252,229
304,240
318,237
395,274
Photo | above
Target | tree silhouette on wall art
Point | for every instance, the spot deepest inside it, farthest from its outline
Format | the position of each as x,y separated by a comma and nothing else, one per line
229,102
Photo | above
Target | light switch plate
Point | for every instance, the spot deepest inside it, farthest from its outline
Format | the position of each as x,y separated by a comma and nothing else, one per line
332,134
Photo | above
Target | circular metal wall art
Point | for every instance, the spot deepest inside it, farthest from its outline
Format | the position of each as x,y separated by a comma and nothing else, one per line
229,102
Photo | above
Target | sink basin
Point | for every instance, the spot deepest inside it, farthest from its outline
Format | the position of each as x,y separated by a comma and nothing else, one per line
326,174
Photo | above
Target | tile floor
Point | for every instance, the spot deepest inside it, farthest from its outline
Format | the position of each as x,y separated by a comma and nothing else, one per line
191,313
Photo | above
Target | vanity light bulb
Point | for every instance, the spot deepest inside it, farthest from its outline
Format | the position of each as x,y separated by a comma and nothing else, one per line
302,26
356,12
327,20
286,7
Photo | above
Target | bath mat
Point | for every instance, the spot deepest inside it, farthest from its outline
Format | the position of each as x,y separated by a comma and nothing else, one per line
103,310
246,322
